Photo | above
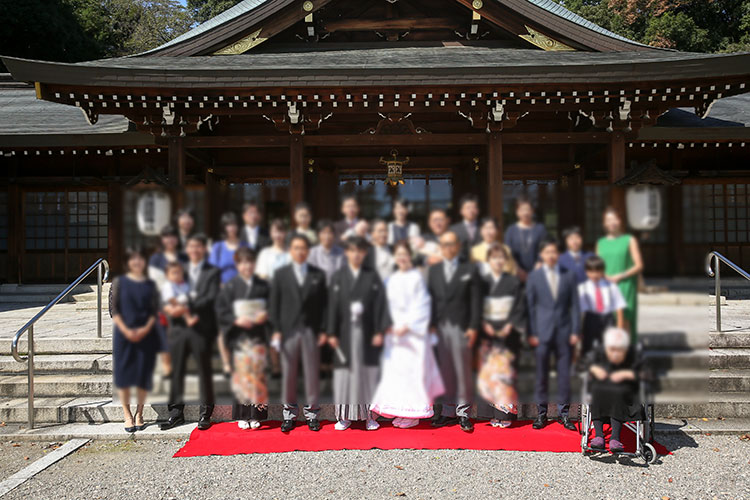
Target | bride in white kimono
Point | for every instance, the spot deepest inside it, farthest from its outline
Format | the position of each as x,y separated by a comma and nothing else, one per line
410,380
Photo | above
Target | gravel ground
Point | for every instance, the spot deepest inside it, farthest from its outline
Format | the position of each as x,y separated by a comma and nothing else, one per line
702,467
16,456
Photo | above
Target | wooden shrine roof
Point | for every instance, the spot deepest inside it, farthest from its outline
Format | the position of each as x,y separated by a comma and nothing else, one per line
442,65
550,17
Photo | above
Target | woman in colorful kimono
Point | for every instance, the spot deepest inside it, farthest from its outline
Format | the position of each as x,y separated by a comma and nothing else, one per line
504,321
242,314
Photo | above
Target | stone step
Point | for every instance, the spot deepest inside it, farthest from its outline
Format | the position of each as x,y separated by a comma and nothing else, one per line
729,339
666,359
103,409
56,363
68,345
35,298
675,340
730,358
721,381
51,289
59,385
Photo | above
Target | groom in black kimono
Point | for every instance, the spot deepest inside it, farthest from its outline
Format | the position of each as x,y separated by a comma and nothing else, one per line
196,338
456,317
298,315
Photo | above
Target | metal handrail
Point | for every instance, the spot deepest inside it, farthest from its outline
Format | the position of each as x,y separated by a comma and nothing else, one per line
29,327
715,272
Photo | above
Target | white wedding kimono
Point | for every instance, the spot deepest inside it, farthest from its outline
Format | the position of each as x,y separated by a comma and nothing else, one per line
410,379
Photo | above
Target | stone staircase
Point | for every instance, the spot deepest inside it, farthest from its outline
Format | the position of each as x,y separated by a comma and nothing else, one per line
729,380
73,381
43,294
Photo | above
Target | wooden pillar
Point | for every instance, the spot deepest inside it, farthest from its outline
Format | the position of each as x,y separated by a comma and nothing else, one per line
176,171
296,172
495,177
616,169
211,204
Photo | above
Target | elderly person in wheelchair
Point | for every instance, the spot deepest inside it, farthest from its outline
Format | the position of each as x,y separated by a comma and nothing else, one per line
614,387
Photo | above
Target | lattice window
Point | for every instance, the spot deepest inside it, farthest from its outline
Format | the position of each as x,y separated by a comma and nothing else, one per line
77,220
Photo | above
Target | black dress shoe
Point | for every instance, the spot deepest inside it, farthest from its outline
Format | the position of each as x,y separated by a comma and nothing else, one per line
540,422
465,423
204,423
287,425
443,421
172,423
314,425
564,420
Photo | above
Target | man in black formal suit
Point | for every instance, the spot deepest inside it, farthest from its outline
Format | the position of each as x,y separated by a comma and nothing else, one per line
298,315
467,229
456,317
554,320
196,337
252,234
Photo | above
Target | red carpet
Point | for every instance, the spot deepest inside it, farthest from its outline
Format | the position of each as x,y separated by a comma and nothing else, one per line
227,439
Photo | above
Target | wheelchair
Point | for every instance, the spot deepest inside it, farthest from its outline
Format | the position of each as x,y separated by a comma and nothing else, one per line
643,428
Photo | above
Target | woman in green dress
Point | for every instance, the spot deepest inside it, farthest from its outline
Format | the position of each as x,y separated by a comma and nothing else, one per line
623,264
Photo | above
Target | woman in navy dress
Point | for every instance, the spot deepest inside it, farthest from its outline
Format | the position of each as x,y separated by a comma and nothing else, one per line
135,303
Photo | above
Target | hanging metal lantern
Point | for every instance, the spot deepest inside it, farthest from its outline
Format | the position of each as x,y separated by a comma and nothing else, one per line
395,168
153,211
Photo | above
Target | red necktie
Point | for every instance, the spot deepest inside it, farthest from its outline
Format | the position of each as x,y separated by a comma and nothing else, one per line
599,299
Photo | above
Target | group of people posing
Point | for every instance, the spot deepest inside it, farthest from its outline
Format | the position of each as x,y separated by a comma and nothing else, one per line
405,318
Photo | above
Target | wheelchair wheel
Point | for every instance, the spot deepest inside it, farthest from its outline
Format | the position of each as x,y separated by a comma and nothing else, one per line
649,453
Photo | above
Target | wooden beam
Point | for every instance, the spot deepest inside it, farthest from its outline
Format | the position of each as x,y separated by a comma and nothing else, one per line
616,171
250,141
495,177
395,140
360,140
425,23
296,172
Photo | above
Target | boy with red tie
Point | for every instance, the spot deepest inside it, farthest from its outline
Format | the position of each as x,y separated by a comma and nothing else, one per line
602,303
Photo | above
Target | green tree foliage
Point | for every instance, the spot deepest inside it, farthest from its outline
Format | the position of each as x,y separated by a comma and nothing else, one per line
78,30
203,10
44,29
687,25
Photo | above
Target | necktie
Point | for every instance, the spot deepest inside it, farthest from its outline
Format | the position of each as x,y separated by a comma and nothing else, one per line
553,283
599,299
300,275
449,270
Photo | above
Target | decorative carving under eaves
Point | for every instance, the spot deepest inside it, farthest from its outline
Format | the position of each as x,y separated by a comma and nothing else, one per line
243,45
543,41
395,124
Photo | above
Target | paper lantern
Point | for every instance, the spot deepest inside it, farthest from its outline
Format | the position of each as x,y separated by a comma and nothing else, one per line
644,204
153,211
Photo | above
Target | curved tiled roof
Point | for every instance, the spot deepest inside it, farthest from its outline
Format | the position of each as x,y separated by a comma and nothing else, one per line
229,14
248,5
560,11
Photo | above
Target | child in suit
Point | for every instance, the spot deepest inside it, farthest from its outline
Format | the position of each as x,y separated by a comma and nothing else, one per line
602,303
552,299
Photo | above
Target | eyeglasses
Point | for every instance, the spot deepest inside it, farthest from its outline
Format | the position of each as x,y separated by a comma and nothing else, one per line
448,243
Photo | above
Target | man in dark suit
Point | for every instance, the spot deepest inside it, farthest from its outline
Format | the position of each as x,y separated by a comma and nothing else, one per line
456,315
252,234
298,315
196,337
554,317
468,229
574,258
345,227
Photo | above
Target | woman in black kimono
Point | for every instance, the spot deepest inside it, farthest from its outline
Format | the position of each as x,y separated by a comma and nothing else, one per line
358,318
614,389
242,314
504,319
